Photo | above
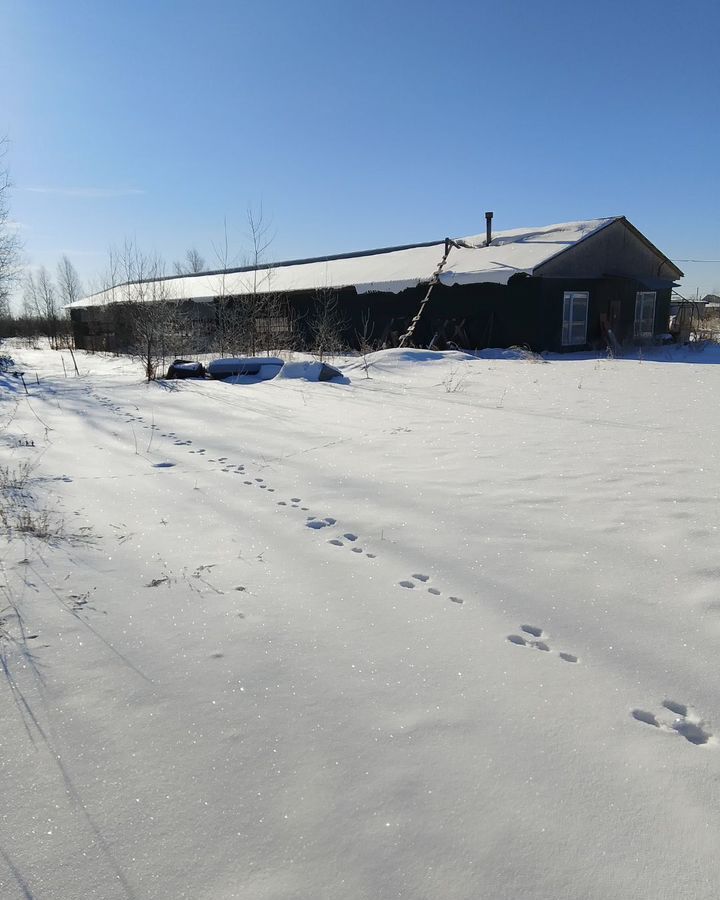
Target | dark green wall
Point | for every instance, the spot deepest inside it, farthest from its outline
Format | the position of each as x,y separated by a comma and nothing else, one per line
526,312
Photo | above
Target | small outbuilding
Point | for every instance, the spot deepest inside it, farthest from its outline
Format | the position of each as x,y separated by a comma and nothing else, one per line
565,287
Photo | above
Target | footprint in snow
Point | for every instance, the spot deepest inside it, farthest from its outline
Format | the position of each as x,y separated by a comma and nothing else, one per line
685,722
423,579
534,639
163,465
351,538
313,522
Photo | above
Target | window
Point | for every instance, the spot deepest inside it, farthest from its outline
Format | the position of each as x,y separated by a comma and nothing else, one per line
575,316
644,314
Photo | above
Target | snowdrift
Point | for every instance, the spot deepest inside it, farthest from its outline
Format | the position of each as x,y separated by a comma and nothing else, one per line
310,370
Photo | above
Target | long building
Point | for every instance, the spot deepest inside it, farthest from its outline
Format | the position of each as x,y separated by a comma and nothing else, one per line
570,286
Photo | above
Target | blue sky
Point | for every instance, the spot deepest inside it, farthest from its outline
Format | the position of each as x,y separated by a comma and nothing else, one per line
358,125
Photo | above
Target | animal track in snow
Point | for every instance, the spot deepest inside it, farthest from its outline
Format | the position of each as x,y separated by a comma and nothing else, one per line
313,522
351,538
686,723
421,578
294,502
534,638
531,629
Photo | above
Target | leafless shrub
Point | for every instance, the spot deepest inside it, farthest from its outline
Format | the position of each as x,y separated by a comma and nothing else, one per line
40,523
708,330
455,381
528,355
14,479
365,342
20,514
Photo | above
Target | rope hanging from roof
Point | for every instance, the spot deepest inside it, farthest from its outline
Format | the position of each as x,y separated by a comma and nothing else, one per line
449,244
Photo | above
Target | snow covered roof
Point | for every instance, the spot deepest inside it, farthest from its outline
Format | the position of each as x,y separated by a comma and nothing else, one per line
470,261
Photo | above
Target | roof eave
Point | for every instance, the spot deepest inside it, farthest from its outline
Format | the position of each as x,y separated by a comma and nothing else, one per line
649,244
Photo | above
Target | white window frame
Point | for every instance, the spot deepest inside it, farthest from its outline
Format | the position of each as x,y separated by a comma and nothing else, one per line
644,325
574,329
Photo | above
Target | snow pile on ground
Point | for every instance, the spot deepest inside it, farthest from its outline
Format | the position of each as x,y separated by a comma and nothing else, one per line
309,370
448,630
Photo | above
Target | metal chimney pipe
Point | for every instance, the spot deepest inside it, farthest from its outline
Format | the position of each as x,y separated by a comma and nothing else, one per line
488,228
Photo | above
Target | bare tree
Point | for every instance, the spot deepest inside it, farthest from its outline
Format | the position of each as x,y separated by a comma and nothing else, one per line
30,296
9,239
70,290
152,321
40,302
30,304
249,316
327,325
228,319
69,286
191,265
265,316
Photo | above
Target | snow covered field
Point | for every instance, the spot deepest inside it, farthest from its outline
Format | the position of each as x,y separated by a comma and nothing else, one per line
451,631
